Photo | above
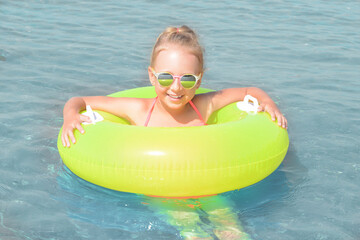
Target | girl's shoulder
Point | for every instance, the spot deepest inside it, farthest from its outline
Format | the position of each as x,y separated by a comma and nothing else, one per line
121,106
204,104
131,104
204,98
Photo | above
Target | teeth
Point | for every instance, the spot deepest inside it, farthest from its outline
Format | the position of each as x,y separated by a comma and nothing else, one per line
174,96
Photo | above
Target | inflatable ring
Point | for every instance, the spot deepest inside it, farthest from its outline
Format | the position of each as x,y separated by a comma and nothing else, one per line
235,150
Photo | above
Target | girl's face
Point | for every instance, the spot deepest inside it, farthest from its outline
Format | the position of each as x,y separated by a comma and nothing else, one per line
178,61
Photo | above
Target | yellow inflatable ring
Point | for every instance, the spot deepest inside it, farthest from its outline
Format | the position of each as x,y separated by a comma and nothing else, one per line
235,150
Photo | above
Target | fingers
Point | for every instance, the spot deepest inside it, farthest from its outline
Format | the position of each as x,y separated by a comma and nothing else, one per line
282,122
65,139
80,128
276,115
66,134
72,137
272,112
84,118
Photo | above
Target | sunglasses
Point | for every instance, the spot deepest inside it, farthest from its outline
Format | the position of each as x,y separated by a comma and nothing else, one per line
165,79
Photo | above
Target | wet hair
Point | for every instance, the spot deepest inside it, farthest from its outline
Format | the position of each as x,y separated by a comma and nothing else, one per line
182,36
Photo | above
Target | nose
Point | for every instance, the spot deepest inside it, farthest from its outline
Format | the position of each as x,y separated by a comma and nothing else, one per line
176,85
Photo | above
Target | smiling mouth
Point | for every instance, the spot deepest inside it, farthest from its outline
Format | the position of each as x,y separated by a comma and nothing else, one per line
175,96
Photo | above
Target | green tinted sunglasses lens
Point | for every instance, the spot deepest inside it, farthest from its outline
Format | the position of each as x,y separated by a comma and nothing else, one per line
188,81
165,79
165,82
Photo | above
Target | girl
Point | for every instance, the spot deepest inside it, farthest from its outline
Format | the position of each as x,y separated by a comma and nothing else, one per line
176,70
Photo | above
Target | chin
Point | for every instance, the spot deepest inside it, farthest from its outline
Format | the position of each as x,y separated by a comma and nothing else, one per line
175,103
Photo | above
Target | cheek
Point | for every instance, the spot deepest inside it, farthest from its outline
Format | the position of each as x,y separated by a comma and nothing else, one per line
158,89
190,93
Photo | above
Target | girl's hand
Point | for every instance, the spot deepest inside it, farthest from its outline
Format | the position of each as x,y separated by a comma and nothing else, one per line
275,113
71,123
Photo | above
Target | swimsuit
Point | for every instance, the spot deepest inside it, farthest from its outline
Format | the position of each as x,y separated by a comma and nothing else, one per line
203,123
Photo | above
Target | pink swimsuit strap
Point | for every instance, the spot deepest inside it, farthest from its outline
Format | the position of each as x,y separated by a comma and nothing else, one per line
150,112
191,103
198,113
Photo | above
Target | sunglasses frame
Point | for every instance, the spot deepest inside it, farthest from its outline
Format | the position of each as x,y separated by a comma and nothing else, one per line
197,78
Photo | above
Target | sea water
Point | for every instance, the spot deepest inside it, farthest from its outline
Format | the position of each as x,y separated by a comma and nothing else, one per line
305,54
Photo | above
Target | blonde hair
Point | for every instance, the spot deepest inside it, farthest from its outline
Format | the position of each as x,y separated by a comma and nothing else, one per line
183,36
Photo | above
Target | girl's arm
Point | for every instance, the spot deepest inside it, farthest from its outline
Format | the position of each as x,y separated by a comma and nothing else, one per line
73,118
224,97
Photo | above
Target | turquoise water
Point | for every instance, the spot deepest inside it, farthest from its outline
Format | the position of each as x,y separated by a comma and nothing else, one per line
305,54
